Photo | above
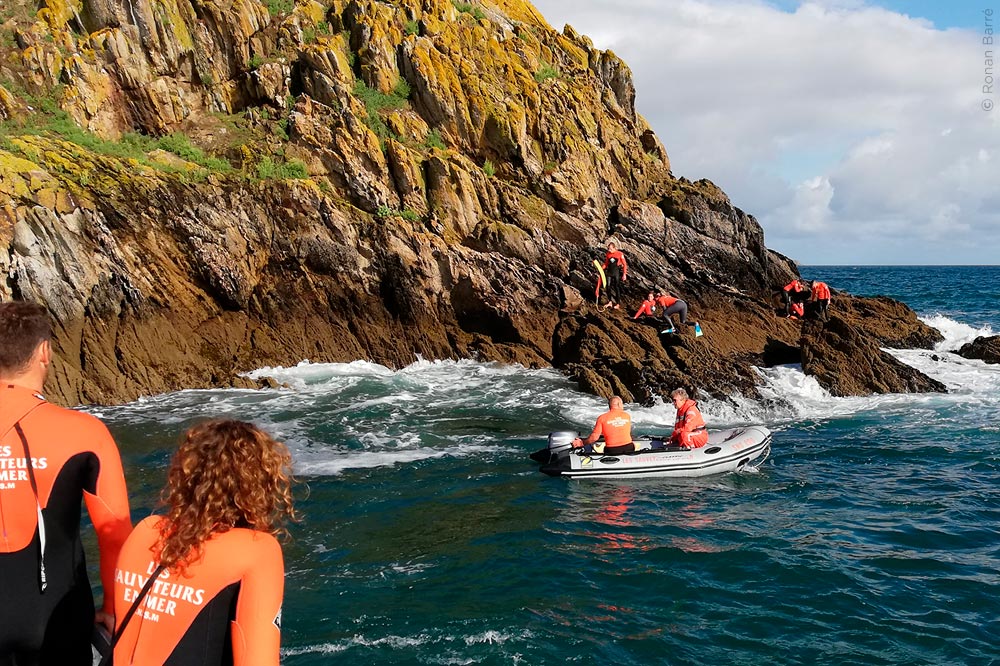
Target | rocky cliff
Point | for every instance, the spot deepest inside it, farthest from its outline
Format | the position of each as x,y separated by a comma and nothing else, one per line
197,188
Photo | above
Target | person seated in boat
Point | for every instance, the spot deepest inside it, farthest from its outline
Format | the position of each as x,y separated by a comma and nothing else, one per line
672,305
615,425
648,307
689,428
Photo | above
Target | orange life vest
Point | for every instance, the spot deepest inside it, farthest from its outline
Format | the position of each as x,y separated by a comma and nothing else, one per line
689,429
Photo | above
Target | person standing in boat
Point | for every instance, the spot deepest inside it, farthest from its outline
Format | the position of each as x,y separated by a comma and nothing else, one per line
215,566
52,460
615,425
616,269
689,428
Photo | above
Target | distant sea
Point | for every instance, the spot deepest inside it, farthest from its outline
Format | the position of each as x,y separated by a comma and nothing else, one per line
871,535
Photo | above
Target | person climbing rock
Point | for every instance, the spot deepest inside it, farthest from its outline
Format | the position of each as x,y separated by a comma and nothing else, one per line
795,293
672,305
820,298
648,307
616,269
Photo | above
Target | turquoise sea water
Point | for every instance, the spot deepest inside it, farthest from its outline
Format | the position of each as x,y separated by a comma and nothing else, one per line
869,537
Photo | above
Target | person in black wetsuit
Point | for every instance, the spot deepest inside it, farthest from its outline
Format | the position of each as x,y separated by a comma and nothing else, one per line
46,604
616,269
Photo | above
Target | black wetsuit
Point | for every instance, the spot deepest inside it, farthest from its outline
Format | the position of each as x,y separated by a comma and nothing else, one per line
73,458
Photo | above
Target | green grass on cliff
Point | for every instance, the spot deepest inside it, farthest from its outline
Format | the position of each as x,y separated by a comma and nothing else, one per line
545,72
376,101
47,119
468,8
267,169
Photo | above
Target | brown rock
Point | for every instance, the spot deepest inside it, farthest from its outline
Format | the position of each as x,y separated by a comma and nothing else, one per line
983,348
163,274
847,361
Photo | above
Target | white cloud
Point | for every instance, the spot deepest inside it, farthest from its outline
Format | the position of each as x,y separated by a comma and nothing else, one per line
855,134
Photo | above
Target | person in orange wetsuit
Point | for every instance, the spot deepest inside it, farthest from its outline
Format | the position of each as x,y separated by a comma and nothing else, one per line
821,298
689,428
46,604
616,270
218,598
794,294
672,305
615,426
648,307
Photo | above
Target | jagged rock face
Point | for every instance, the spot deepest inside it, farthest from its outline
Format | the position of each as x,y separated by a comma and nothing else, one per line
848,362
984,348
460,221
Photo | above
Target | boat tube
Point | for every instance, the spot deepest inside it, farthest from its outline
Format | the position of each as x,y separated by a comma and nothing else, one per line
730,450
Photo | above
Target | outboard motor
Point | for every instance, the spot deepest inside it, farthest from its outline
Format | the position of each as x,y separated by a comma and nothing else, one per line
560,443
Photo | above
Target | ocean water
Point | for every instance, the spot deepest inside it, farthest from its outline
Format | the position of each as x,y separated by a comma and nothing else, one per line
871,535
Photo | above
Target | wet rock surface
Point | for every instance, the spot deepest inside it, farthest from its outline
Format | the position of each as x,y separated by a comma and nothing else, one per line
846,360
983,348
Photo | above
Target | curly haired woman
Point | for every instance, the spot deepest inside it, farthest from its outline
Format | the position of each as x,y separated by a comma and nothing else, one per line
217,598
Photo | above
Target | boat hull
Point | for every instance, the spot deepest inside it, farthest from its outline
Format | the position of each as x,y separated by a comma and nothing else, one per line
727,451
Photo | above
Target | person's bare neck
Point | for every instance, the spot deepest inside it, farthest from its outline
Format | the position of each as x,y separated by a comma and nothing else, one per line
33,381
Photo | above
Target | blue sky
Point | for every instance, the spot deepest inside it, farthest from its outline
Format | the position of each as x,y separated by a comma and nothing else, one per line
942,13
857,132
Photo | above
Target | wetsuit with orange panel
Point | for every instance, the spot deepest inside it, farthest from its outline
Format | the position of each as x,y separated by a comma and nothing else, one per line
671,306
647,308
46,602
616,269
821,295
665,300
224,609
792,293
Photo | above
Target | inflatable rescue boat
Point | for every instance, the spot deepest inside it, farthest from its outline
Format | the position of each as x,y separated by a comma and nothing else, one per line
726,451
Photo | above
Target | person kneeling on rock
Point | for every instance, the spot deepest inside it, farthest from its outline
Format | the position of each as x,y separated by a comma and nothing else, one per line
671,306
615,425
689,428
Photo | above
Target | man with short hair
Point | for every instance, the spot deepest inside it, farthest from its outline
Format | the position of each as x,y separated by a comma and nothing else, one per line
615,425
51,458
